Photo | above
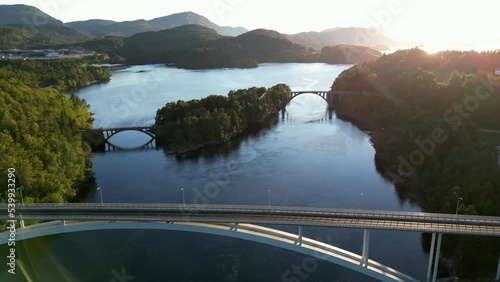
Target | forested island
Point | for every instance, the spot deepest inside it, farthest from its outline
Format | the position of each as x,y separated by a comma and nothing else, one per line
185,126
425,112
39,127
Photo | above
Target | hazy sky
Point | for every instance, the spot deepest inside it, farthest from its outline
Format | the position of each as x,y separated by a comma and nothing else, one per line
428,22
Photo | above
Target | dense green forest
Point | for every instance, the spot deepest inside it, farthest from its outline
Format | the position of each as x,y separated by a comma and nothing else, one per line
425,112
44,36
216,119
347,54
199,47
61,74
39,128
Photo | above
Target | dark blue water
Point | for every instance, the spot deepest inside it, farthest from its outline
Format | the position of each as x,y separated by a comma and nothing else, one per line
308,159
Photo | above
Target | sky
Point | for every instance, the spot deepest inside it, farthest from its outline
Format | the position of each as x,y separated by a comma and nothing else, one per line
437,22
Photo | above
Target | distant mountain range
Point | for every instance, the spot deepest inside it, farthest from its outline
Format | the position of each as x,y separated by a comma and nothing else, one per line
23,27
350,36
102,28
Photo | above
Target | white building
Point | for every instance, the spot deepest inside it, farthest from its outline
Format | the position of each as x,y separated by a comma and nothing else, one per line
497,71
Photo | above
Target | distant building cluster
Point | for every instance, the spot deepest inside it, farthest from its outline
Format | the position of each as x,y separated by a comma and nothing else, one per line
46,54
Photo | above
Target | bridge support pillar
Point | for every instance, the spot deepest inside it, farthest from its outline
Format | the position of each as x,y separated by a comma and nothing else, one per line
300,235
436,259
330,99
498,271
431,256
366,248
21,222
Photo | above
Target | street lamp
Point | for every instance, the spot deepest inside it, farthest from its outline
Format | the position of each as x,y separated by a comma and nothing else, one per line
100,192
22,201
458,202
183,197
21,191
269,198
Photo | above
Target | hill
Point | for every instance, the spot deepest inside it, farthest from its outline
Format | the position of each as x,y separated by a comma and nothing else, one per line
34,37
233,31
336,36
25,15
347,54
26,27
165,46
424,111
102,28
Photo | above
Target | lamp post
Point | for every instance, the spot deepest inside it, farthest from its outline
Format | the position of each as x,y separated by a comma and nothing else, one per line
359,208
22,202
269,198
183,197
21,191
458,202
100,192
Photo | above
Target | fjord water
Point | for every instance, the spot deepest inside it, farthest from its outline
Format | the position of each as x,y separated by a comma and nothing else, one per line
307,159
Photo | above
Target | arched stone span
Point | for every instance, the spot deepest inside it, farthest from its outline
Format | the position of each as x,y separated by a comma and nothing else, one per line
325,95
99,138
110,132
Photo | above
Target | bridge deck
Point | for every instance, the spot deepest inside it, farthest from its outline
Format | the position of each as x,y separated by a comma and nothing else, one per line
384,220
119,128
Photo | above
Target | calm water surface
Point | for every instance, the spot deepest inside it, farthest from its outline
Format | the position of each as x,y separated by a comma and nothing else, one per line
307,159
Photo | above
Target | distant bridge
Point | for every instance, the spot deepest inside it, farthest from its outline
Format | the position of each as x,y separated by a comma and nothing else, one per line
326,95
99,138
239,222
330,97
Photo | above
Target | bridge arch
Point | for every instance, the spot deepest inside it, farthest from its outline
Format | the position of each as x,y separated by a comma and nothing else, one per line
99,138
109,133
145,130
325,95
255,233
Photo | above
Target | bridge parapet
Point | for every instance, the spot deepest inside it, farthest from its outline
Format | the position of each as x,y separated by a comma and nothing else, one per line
239,222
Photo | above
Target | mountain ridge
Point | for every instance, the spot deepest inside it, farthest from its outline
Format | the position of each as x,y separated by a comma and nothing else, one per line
101,28
342,35
36,29
20,14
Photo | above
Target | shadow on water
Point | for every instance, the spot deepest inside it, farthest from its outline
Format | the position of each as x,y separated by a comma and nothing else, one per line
408,190
253,133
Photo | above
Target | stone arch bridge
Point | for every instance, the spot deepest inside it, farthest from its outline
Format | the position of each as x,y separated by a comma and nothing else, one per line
99,138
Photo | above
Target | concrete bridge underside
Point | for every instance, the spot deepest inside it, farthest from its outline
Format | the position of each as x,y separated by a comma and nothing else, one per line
255,233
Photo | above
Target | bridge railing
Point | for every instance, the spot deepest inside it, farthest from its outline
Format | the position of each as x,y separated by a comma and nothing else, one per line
338,213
